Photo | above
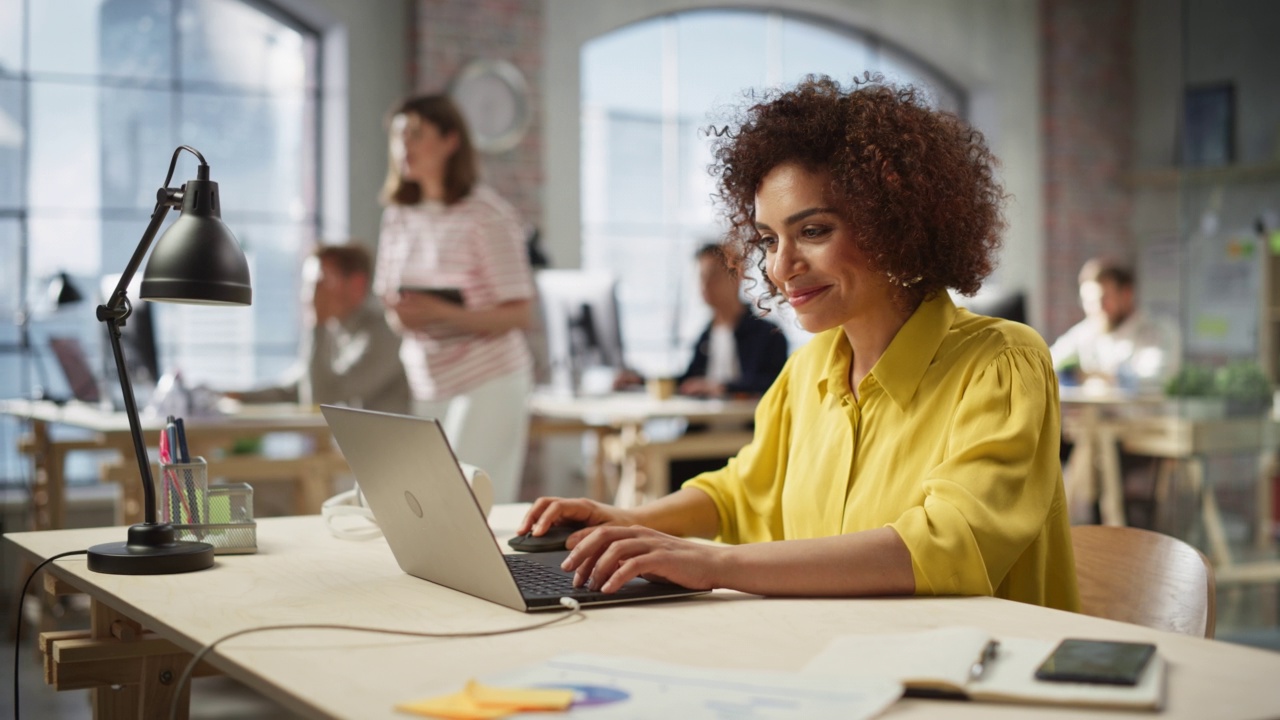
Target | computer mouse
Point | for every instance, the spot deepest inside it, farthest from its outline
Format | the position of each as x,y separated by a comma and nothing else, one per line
554,539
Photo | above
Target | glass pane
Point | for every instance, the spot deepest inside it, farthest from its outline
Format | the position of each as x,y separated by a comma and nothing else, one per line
12,138
265,54
11,264
134,162
721,54
67,244
900,67
65,147
808,48
257,149
622,71
102,37
11,36
137,39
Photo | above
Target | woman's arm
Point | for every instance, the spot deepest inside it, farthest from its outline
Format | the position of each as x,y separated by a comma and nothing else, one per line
871,562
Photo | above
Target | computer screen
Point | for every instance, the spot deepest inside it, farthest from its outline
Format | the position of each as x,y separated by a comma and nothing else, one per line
580,316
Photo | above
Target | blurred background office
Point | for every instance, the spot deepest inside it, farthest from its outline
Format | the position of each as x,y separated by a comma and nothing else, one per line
1143,128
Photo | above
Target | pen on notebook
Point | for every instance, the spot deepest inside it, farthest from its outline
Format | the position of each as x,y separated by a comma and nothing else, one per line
984,660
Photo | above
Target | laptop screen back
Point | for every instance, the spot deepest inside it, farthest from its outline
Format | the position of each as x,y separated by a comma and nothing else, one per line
75,366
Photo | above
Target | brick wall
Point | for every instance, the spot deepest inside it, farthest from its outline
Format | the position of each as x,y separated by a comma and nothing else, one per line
448,34
1088,103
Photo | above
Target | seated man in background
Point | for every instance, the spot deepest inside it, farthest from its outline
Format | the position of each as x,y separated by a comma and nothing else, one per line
350,356
738,353
1115,344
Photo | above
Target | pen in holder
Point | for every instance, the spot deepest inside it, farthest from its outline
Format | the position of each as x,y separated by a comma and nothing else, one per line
183,492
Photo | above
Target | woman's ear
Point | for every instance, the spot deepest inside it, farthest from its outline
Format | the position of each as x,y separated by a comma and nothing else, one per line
451,142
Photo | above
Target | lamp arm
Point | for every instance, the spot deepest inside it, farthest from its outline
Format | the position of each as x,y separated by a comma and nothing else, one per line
114,313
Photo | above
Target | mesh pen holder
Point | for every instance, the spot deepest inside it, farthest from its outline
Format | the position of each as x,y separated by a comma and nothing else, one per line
221,515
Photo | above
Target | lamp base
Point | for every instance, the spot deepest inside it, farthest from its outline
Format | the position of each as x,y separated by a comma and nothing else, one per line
150,550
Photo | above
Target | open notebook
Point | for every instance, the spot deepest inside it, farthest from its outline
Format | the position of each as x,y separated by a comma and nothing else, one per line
938,661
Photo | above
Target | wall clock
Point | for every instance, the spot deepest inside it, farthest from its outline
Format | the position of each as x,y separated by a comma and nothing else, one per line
494,98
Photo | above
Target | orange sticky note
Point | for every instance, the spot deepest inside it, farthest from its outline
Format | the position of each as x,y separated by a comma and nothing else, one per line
483,702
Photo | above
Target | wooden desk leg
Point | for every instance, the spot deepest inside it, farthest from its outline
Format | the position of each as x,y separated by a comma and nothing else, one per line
115,701
1262,538
48,491
1211,515
1111,492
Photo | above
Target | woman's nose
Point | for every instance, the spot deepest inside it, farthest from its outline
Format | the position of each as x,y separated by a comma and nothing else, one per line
786,261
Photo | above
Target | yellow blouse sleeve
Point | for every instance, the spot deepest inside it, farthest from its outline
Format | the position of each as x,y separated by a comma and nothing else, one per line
747,492
989,498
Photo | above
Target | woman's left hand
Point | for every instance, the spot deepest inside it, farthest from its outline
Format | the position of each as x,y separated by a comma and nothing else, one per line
420,311
611,555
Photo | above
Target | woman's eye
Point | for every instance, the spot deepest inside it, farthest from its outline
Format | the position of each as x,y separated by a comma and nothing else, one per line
769,243
814,231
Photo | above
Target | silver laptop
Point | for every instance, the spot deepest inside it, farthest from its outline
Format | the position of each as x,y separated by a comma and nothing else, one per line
436,530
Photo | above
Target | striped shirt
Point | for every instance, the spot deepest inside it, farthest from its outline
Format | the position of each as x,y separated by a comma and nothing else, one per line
477,246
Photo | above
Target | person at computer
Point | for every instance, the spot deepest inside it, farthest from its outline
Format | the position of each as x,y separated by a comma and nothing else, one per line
1116,344
910,446
349,356
738,353
453,273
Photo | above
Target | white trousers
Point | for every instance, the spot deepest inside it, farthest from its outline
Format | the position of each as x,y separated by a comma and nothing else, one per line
489,427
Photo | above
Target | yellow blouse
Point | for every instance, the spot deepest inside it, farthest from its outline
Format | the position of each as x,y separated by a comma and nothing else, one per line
953,442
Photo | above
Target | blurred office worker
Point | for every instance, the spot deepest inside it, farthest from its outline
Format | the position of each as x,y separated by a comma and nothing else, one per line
1115,343
350,356
453,273
738,353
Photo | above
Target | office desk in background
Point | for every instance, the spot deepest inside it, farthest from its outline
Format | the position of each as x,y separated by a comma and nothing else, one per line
210,437
303,575
619,418
1102,423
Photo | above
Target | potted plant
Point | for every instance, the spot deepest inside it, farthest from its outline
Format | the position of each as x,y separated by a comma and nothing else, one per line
1192,391
1245,387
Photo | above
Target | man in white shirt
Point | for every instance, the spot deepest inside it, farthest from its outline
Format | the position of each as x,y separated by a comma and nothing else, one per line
1115,344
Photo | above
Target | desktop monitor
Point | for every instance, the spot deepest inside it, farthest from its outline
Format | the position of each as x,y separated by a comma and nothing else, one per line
580,316
1007,305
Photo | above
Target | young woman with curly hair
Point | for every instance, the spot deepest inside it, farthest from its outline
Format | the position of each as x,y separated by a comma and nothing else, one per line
910,446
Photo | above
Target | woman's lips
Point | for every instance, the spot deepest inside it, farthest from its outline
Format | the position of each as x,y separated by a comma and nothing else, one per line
805,295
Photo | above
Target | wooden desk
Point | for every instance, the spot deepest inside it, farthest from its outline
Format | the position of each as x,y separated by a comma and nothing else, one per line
206,436
620,417
1093,472
302,575
1100,428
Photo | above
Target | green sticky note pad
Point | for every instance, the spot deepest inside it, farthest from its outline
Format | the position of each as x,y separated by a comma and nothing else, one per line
1274,241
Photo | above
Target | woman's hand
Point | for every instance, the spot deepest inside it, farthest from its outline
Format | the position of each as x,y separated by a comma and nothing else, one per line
548,511
420,311
608,557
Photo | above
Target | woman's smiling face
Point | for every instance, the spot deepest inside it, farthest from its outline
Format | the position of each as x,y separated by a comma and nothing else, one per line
811,254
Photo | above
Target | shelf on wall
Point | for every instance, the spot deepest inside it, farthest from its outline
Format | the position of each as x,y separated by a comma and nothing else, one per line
1170,178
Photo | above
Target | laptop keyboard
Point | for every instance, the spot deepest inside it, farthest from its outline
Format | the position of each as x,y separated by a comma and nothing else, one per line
538,580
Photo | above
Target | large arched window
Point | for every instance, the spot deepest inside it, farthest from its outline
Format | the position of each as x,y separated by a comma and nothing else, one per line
94,97
649,91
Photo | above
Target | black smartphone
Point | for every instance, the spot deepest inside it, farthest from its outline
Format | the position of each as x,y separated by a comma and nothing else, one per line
453,295
1102,662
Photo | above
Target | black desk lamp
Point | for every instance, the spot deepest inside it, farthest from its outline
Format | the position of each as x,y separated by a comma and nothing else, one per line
197,261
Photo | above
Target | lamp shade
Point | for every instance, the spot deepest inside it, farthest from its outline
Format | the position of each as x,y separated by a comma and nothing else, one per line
198,260
62,291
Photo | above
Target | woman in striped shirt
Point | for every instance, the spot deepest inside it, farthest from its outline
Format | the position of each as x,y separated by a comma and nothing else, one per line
454,275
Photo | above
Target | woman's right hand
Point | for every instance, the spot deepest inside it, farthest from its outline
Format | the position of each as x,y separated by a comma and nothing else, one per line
548,511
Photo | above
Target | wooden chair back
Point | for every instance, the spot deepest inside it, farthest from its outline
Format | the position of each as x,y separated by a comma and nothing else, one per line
1144,577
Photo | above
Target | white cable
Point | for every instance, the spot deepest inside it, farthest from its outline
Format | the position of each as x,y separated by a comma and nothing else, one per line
575,610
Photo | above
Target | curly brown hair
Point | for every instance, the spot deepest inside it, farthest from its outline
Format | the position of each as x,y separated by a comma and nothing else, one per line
918,183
